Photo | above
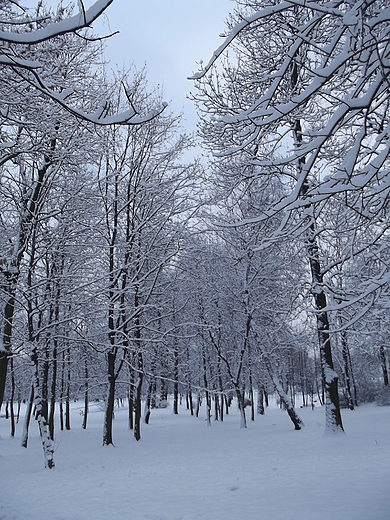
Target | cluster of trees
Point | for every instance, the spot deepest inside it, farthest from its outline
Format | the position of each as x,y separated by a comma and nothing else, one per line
127,272
304,102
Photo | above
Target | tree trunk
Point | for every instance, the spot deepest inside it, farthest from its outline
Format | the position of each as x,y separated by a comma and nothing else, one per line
109,412
176,379
45,382
62,393
138,398
47,444
27,418
67,399
320,391
252,398
163,390
221,394
284,398
198,403
216,406
205,382
190,399
241,406
53,390
344,350
12,413
131,394
19,407
11,272
9,306
86,391
260,400
384,365
333,421
147,404
287,404
355,400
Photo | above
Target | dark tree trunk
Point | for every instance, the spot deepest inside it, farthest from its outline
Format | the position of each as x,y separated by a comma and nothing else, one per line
27,418
216,406
86,391
9,307
56,271
190,401
227,403
53,390
67,399
252,399
62,393
176,379
138,398
45,383
353,379
109,412
319,390
347,370
303,378
251,393
198,402
333,421
221,394
131,394
287,404
260,400
153,383
3,374
140,369
11,274
266,399
384,365
147,405
205,382
285,401
163,390
19,407
12,413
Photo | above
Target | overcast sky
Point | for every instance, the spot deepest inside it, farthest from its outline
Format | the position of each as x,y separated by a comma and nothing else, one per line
170,36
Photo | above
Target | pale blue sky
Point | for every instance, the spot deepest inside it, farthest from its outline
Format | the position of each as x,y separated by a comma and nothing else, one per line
171,36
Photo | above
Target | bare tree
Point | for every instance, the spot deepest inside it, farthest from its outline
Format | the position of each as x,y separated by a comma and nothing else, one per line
45,65
23,30
307,101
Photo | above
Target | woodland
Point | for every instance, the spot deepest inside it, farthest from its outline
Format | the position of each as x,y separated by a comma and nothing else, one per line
130,274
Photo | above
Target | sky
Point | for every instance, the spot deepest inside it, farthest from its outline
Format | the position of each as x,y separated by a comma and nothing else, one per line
170,36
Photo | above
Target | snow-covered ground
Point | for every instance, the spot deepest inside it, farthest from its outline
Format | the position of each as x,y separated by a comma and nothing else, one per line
182,469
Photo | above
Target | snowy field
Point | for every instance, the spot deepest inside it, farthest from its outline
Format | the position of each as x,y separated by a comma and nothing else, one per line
182,469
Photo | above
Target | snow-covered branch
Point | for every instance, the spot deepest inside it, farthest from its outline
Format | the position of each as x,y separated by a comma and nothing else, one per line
72,24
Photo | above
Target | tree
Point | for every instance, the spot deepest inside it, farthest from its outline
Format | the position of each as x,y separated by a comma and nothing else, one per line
307,101
44,63
144,193
21,29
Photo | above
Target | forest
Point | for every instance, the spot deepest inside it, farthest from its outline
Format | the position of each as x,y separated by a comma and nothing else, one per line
132,274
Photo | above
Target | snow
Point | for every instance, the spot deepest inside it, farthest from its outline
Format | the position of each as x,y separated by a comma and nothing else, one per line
71,24
183,470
